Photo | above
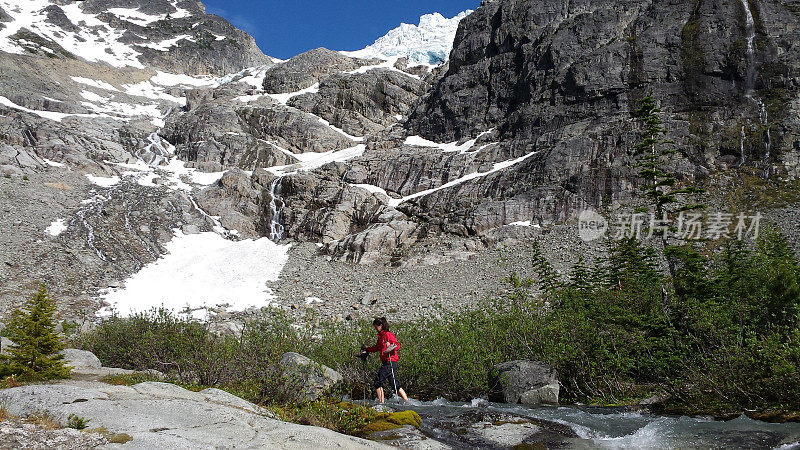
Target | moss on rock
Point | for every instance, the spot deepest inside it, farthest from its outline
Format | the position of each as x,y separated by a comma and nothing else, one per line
390,421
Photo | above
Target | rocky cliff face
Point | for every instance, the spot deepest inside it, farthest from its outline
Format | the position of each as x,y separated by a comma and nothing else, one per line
531,120
560,80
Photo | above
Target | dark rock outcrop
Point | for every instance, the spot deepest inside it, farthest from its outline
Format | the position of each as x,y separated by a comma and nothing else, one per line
525,382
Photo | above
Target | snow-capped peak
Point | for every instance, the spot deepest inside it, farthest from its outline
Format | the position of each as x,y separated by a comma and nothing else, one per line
428,43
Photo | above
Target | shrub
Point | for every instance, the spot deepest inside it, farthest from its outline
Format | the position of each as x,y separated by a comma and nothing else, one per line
77,422
343,417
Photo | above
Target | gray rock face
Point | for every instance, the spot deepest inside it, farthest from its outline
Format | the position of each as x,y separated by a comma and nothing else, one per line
362,103
309,378
240,201
308,68
20,433
160,415
292,129
327,209
525,382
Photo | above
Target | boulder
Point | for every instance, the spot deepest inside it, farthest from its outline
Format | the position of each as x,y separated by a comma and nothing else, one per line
81,359
309,378
5,344
523,381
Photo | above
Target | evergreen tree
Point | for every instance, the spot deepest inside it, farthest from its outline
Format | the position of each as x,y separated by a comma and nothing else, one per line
34,354
653,154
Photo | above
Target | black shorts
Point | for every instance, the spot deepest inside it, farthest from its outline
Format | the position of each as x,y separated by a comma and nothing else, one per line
385,373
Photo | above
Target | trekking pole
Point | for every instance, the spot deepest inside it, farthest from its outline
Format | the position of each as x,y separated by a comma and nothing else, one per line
397,394
363,356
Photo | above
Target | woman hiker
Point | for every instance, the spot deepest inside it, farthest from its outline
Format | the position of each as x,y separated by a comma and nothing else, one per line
387,346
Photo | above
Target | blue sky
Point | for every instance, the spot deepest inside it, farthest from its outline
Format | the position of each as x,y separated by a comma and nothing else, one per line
284,28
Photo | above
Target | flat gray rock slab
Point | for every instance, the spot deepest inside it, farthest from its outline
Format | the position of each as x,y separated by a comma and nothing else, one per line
162,415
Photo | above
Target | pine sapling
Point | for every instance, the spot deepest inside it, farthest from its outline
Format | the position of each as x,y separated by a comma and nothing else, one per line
35,352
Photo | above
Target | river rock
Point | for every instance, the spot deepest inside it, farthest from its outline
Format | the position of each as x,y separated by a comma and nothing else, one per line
408,437
482,429
525,382
300,372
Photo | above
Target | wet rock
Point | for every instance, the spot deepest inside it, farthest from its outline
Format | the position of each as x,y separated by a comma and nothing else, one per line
494,429
408,437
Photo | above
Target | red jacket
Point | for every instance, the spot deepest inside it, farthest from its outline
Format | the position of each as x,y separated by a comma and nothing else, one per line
385,338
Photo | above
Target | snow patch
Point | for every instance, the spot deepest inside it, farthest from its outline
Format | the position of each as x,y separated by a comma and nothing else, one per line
171,79
283,98
92,39
165,45
253,76
52,115
57,227
311,161
147,90
448,147
372,188
250,98
94,83
388,64
202,270
103,181
525,223
136,16
52,163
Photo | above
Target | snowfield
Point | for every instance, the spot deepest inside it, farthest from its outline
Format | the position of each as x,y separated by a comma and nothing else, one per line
202,270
